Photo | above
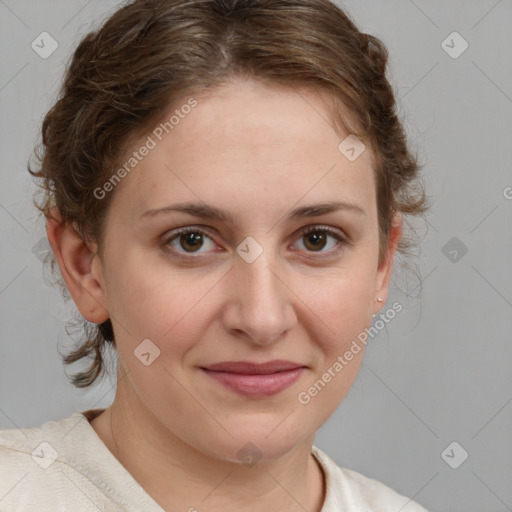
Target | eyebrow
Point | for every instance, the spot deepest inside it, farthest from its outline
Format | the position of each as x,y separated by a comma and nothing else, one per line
205,211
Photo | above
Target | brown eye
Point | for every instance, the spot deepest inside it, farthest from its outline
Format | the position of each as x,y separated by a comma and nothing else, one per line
317,238
189,240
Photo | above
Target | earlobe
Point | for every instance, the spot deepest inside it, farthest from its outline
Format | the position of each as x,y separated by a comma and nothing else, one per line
83,278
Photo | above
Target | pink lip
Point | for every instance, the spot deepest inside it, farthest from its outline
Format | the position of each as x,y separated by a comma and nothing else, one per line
253,379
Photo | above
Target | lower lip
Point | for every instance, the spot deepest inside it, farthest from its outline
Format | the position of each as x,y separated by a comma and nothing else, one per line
257,386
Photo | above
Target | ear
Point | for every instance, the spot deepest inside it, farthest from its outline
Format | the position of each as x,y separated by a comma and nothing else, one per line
80,268
385,268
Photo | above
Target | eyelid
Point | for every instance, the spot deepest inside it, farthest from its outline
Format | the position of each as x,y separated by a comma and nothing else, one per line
321,227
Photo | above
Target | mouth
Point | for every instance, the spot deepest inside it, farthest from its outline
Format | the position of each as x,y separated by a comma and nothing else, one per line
255,380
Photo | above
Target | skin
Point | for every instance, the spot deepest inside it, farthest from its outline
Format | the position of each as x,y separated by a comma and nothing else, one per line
257,152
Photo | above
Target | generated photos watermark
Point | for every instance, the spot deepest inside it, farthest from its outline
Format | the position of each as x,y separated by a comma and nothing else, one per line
305,397
151,143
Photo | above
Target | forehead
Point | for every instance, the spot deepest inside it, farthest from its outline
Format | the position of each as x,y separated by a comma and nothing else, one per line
249,145
249,115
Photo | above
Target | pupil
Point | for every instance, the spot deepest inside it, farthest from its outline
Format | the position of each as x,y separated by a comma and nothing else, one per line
318,238
192,240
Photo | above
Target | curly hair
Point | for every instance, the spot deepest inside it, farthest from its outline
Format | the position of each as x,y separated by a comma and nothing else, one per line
123,77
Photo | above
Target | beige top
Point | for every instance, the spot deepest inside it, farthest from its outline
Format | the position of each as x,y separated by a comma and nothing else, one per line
64,465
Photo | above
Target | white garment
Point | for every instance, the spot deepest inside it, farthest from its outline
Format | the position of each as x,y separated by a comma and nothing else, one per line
73,470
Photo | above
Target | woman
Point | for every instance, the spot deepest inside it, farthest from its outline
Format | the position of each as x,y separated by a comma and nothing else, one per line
225,186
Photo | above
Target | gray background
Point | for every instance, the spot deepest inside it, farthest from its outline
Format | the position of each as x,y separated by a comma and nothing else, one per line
440,372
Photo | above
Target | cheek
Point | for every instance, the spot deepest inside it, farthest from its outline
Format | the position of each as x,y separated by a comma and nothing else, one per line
341,307
157,302
341,315
339,303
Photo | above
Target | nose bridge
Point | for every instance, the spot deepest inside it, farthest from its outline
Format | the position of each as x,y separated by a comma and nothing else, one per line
262,303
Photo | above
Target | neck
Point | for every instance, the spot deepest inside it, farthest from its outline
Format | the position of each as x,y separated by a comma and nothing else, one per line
179,477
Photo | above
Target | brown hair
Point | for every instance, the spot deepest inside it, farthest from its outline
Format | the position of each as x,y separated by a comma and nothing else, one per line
123,77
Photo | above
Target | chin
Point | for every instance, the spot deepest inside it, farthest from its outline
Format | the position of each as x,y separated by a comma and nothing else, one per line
251,445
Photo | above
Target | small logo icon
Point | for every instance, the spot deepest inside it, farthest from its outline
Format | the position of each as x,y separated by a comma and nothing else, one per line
454,45
249,249
44,45
454,249
249,455
351,147
44,455
41,248
146,352
454,455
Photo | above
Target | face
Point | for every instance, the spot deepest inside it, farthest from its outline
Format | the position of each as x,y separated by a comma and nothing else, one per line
270,280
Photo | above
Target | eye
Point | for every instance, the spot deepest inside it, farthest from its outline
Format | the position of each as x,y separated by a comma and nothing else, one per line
316,238
188,240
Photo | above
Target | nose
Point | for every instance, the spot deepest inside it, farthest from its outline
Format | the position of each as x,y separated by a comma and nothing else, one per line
259,308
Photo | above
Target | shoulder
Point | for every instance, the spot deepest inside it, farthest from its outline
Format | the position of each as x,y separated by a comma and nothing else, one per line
352,491
379,496
24,447
36,472
37,445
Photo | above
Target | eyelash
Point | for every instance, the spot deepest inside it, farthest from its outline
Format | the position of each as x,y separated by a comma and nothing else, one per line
342,241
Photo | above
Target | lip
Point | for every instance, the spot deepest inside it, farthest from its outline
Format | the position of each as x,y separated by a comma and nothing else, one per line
255,380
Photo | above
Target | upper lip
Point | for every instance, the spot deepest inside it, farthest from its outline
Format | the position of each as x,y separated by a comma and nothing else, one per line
250,368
